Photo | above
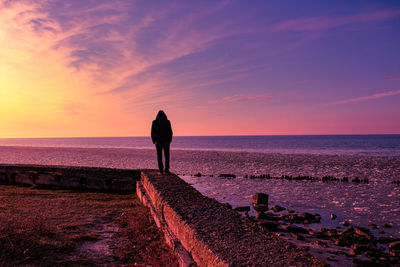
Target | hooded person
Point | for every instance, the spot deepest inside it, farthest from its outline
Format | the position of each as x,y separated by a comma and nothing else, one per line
161,135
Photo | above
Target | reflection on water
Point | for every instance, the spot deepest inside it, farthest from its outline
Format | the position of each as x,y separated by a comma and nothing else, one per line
360,204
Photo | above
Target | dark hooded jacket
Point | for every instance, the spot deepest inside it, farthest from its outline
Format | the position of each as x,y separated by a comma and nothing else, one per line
161,131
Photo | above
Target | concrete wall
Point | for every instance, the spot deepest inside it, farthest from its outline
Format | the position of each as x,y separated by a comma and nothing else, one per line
85,178
207,233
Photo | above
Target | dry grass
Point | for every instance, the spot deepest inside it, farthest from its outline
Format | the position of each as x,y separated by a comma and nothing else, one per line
142,235
45,227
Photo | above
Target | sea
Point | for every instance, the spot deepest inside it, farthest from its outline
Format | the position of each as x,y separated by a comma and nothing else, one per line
363,145
372,157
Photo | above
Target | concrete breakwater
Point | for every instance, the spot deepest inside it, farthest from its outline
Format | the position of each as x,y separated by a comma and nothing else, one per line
85,178
207,233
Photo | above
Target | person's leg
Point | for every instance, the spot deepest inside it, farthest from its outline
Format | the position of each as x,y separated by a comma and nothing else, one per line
166,153
159,158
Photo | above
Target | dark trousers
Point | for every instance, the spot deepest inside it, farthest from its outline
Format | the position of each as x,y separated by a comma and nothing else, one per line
160,148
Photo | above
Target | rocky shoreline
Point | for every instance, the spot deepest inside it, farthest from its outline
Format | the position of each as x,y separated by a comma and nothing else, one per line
340,246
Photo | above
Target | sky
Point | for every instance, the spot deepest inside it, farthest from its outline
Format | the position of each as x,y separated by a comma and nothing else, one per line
104,68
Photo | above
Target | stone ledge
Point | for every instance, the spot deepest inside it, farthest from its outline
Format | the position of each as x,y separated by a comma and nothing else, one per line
83,178
184,257
213,234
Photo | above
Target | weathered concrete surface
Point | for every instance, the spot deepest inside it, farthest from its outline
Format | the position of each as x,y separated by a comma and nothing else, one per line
213,234
86,178
183,256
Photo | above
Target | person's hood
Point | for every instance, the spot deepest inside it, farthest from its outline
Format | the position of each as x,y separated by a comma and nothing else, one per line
161,116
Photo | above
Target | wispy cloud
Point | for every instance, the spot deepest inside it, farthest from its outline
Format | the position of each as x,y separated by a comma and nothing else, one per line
391,78
243,98
368,97
325,23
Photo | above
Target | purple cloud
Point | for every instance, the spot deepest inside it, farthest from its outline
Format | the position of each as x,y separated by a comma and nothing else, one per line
391,78
243,98
368,97
325,23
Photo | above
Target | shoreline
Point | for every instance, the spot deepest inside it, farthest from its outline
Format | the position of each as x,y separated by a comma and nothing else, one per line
186,162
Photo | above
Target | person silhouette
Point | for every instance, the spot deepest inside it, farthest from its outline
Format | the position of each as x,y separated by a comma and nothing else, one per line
161,135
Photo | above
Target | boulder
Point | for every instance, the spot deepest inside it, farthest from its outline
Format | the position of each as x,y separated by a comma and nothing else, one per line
310,218
321,243
277,208
260,208
333,216
242,208
386,225
356,234
387,239
270,225
266,216
260,199
229,206
363,232
261,216
297,236
394,245
294,229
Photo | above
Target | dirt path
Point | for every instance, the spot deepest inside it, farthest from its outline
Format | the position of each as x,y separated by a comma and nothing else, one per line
100,249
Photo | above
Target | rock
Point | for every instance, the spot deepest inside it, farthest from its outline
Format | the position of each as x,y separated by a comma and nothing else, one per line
387,239
198,174
270,225
267,216
345,223
306,216
260,208
386,225
294,229
310,218
242,208
277,208
364,232
229,206
320,243
227,175
260,201
297,236
354,235
262,216
339,242
354,252
359,248
372,225
394,245
333,216
331,259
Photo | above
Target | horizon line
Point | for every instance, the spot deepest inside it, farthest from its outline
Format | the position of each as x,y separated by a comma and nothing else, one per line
239,135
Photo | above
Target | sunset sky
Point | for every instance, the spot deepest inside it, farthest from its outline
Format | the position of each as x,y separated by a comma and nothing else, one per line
104,68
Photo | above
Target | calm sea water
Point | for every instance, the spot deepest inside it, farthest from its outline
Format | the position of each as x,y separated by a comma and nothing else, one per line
368,145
